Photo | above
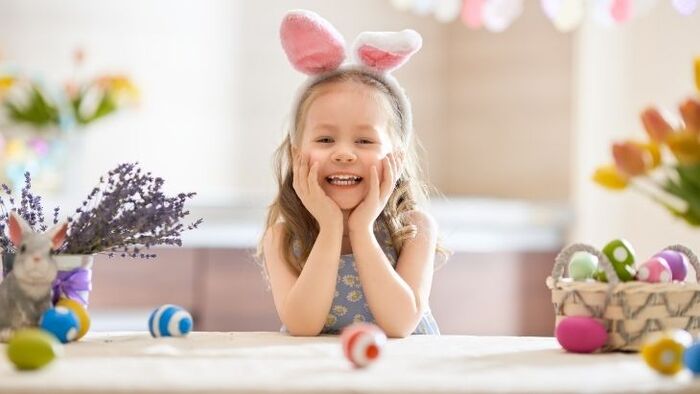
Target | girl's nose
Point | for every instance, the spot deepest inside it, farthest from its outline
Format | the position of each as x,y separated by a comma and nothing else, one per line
344,156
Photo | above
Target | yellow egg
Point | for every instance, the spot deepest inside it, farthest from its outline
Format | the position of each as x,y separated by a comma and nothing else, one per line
664,351
33,348
80,312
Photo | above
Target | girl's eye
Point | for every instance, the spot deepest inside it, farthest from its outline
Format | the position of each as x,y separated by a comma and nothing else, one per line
364,141
325,140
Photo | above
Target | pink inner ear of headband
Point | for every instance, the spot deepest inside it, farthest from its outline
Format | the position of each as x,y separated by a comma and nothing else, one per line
386,51
380,60
312,44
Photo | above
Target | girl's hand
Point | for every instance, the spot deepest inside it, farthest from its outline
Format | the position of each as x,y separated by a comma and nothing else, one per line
305,182
363,216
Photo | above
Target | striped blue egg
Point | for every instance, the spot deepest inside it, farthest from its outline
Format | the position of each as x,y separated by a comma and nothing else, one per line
170,321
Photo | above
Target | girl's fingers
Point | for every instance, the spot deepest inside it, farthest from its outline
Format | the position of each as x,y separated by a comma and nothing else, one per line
374,188
394,168
304,174
388,176
295,172
312,180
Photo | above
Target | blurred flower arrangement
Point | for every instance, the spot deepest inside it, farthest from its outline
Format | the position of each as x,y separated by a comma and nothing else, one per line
673,182
125,212
36,118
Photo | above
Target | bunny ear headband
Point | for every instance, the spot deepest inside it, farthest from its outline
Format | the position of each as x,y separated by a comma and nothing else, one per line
314,47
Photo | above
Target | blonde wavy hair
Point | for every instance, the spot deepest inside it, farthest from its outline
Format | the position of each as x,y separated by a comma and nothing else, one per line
300,227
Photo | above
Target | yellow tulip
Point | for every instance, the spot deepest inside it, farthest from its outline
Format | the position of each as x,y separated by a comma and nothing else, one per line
609,177
6,82
121,86
652,152
685,145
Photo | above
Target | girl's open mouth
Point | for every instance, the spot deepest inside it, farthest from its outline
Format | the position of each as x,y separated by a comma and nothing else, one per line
344,180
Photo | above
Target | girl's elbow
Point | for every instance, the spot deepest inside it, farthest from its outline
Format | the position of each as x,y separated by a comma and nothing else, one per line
398,334
400,330
303,332
301,328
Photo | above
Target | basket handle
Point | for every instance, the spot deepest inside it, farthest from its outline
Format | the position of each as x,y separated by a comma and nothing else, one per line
692,258
564,257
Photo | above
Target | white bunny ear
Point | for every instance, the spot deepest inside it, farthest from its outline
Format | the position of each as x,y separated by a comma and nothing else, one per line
311,43
386,51
58,234
18,227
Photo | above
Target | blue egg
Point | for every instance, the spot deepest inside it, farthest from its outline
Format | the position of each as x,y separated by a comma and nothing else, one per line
61,322
691,358
170,321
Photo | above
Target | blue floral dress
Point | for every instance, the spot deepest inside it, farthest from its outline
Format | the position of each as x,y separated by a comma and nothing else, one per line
349,303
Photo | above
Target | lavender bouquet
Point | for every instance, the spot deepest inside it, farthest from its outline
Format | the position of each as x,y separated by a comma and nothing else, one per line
30,209
125,212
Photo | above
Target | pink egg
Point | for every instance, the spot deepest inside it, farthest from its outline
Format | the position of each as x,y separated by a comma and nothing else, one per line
581,334
676,263
656,270
362,343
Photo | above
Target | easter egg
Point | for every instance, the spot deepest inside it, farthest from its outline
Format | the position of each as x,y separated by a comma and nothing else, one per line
581,334
362,343
80,312
33,348
582,265
663,351
691,358
656,270
621,256
676,263
61,322
170,321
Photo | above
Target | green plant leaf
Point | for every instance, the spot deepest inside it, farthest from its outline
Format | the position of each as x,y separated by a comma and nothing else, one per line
690,174
688,193
38,112
106,106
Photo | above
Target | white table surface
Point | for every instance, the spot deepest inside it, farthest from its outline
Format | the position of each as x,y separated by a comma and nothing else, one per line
272,362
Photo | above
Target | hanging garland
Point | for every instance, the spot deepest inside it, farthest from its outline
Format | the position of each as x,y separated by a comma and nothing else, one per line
566,15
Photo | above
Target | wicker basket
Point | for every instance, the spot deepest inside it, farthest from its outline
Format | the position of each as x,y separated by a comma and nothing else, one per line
629,310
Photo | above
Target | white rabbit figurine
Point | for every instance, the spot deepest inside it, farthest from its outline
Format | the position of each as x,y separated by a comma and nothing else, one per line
25,293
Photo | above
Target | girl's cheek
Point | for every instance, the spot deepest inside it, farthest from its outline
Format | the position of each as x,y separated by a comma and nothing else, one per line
315,156
312,154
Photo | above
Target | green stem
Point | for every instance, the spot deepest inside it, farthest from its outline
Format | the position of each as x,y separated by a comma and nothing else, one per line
677,204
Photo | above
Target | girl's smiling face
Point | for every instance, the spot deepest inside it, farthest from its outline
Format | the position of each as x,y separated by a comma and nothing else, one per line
346,130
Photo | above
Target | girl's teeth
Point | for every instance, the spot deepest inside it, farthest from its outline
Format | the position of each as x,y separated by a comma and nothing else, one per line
342,183
344,180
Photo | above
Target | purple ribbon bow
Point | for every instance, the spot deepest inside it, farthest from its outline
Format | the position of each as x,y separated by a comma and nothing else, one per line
71,284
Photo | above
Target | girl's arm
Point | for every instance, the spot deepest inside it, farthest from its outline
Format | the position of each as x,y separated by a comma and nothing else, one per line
303,300
397,297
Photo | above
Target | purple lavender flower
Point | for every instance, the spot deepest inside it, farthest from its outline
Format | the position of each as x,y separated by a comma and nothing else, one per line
125,211
30,209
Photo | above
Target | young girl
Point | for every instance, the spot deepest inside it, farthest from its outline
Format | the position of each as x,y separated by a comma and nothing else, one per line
345,240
